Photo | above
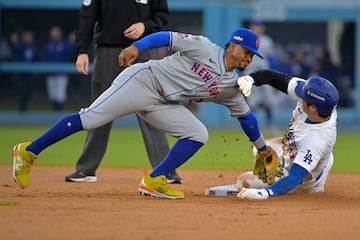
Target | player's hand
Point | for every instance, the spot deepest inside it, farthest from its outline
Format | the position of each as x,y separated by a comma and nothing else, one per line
135,31
128,56
253,194
244,84
82,64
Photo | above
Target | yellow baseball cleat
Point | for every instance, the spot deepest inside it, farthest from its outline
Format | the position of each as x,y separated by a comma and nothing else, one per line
157,187
22,162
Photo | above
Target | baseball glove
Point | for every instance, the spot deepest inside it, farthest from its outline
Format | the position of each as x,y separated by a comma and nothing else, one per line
267,167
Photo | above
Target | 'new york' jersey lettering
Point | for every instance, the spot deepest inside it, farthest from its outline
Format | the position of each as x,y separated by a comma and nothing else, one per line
189,76
205,76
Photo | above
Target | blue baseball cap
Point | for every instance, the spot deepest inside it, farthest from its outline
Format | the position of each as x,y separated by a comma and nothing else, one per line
257,22
319,92
247,39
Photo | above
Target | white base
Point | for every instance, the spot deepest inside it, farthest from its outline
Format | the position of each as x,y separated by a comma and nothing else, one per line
222,191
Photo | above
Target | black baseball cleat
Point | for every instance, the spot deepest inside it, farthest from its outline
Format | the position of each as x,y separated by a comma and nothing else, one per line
80,177
174,178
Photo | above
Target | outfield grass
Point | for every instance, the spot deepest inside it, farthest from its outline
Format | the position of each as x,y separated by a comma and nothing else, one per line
226,149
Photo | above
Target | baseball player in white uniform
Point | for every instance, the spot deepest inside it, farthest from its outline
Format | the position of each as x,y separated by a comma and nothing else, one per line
306,149
199,71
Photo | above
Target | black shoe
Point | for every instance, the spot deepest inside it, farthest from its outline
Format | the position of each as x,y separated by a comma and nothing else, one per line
80,177
173,177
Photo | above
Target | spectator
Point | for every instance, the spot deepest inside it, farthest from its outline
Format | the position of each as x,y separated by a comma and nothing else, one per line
5,50
296,65
58,50
347,51
347,57
24,50
324,67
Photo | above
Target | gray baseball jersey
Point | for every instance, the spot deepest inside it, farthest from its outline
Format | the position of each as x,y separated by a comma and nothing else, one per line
157,89
197,73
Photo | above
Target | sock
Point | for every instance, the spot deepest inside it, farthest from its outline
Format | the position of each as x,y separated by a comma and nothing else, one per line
64,127
182,151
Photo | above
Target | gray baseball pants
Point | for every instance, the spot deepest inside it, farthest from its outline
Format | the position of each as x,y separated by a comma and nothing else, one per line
106,68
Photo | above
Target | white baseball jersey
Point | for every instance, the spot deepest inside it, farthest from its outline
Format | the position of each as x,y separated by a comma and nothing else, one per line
309,145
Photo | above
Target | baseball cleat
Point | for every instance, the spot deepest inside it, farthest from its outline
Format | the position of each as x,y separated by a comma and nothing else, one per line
22,162
157,187
174,178
80,177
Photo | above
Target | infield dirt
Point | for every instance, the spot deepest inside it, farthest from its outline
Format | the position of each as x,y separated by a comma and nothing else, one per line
112,209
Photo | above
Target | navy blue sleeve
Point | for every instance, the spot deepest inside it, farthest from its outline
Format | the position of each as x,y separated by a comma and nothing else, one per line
277,80
288,183
155,40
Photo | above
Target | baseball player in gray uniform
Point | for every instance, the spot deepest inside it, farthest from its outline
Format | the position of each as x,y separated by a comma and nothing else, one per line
198,71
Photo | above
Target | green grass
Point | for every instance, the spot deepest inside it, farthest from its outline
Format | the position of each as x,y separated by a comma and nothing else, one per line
226,149
6,203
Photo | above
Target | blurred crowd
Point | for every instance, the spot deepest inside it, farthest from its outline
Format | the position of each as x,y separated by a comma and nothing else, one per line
301,60
296,59
22,47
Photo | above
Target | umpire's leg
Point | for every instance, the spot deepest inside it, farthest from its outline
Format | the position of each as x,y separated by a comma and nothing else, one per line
94,149
156,143
96,142
106,68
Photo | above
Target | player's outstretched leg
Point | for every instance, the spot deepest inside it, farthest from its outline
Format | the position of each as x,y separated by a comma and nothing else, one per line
157,187
25,154
22,162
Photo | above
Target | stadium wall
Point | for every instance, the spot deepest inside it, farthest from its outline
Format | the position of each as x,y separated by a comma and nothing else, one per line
219,19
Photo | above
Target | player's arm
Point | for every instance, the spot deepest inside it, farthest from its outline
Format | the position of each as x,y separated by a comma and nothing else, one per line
89,15
275,79
84,35
158,18
311,152
296,175
155,40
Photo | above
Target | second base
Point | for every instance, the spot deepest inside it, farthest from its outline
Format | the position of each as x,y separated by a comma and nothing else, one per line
222,191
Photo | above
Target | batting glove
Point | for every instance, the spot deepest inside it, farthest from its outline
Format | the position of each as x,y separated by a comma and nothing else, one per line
244,84
253,194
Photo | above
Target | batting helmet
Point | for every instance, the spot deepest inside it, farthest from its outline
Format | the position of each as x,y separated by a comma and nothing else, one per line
319,92
247,39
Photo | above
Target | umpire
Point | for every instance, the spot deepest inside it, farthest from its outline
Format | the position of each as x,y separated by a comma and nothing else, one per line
116,24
